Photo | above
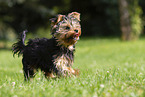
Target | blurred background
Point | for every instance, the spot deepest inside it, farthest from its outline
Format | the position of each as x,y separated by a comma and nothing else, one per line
100,18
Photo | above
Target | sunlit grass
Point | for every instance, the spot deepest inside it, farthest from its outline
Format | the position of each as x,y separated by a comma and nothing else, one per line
108,67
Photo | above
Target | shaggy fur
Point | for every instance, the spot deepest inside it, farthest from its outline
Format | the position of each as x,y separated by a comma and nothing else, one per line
53,56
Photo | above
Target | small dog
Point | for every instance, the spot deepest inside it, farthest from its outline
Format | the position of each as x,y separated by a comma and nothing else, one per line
53,56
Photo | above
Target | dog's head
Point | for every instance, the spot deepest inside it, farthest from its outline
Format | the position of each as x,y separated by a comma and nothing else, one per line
66,29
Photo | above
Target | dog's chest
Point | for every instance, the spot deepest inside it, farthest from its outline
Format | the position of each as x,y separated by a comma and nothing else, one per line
62,62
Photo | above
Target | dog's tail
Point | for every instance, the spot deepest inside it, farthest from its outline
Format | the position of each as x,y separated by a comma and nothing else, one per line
19,46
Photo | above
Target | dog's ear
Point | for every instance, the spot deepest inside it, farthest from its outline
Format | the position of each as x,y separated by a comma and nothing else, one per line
54,21
60,18
74,15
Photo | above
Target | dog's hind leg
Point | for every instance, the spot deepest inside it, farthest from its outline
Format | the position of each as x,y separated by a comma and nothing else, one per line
49,74
28,71
28,74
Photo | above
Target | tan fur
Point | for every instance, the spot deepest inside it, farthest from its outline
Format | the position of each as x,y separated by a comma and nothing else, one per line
64,66
75,15
50,75
67,30
68,36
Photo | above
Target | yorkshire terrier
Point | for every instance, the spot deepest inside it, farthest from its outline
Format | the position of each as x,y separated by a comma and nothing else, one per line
54,56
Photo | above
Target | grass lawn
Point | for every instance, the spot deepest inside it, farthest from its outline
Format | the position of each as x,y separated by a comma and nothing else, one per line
108,68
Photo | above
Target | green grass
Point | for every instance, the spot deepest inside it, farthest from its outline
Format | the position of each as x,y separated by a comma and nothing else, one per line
108,67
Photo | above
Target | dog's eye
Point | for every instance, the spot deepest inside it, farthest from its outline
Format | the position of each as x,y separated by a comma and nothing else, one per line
67,28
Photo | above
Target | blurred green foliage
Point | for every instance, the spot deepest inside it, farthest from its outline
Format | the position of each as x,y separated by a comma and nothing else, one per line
98,17
135,18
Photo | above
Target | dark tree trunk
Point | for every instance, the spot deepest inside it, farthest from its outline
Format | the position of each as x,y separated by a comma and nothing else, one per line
125,24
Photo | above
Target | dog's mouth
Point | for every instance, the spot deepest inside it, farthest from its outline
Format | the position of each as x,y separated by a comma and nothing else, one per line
69,39
74,37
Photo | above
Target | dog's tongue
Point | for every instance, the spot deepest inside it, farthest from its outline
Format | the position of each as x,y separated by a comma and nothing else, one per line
76,35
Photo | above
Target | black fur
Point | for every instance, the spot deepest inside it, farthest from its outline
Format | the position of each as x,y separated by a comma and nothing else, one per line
18,47
40,54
